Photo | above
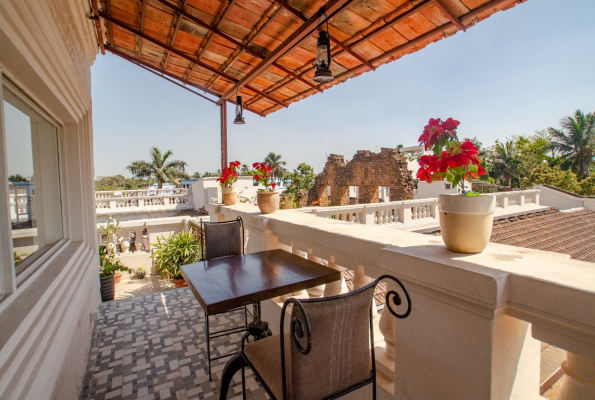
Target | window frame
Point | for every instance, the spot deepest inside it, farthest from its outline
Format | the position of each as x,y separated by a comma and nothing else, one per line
9,281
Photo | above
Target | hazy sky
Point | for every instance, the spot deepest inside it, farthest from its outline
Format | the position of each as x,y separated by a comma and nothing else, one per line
516,72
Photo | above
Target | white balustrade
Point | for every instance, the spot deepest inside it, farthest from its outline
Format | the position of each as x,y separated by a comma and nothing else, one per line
476,320
145,200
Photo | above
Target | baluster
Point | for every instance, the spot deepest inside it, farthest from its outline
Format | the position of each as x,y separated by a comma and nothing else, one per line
336,287
302,294
316,291
360,280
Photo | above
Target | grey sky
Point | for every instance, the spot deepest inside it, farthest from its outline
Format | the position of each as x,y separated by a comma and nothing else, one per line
516,72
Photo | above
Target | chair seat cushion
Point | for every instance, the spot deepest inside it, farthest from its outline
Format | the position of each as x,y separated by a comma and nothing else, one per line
265,356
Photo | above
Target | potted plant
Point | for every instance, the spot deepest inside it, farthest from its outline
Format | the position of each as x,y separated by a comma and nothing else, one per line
108,267
267,199
466,219
171,253
228,177
141,271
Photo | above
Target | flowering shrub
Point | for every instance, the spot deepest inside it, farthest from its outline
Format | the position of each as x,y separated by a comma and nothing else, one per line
452,160
229,176
263,176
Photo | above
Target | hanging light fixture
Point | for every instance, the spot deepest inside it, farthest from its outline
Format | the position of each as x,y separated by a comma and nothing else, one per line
323,57
239,111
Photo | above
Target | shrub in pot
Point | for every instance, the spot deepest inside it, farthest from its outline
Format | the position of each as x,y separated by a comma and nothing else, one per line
109,265
267,199
228,177
466,219
171,253
141,271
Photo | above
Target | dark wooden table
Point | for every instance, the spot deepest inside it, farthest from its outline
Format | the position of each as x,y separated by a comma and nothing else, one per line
236,281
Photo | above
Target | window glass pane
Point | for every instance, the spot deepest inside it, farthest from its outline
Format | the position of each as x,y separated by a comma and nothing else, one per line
33,182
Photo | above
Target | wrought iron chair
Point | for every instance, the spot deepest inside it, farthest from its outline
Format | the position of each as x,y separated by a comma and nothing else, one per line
325,354
222,239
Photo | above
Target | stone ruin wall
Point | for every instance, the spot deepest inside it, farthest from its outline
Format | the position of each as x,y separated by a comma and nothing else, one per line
368,171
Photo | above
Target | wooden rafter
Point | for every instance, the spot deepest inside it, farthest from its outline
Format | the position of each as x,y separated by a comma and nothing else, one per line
251,37
453,18
336,41
173,36
98,26
110,28
180,53
143,13
226,7
412,44
330,8
399,15
152,68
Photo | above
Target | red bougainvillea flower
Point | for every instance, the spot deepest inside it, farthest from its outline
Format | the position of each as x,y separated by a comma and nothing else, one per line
273,185
255,165
432,131
450,124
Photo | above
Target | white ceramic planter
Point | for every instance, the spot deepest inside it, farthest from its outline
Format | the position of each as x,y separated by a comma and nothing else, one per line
466,221
230,196
268,202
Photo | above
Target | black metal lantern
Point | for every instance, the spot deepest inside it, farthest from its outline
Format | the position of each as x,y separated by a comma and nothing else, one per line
239,112
323,57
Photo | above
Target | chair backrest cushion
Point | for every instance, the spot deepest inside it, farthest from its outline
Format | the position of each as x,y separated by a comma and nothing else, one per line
222,239
340,354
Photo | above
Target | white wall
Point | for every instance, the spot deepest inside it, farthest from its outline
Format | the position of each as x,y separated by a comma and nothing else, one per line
563,201
205,189
46,49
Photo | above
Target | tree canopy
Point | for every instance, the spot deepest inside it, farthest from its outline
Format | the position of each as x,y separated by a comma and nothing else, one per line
159,168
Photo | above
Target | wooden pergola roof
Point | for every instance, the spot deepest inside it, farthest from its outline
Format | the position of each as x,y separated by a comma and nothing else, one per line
266,50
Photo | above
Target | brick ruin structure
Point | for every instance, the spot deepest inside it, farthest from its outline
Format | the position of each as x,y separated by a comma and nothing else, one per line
368,171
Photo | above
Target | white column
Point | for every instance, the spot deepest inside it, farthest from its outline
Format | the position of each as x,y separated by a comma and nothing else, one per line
579,381
316,291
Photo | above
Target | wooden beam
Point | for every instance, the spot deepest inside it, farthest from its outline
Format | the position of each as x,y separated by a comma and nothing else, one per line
110,29
453,18
173,36
330,8
223,121
200,52
183,55
152,68
304,18
98,26
139,46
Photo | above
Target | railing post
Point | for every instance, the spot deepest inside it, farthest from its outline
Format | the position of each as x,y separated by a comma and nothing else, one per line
404,214
302,294
112,204
337,287
316,291
360,280
368,216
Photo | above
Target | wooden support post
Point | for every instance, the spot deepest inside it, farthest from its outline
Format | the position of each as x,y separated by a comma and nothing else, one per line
223,135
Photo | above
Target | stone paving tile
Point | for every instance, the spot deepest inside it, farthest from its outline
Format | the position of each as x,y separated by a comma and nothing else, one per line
154,347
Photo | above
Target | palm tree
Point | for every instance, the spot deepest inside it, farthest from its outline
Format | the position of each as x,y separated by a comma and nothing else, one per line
159,168
506,162
576,141
274,161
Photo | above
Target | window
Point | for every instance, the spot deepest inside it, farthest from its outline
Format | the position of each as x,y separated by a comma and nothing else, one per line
33,179
447,186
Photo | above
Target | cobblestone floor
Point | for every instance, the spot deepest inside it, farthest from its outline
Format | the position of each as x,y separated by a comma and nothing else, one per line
154,347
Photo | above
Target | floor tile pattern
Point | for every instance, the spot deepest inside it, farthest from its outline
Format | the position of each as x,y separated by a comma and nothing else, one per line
154,347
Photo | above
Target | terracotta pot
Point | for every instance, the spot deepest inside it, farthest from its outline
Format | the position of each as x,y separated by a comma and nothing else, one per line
117,277
108,291
230,196
466,221
268,202
179,283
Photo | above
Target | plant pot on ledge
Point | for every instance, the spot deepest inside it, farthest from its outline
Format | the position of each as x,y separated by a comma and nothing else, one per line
230,196
179,283
466,221
107,288
268,202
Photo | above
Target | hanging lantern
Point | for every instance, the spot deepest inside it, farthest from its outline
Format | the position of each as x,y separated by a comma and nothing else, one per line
239,112
323,58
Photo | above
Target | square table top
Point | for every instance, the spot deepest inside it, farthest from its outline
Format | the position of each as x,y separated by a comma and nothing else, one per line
226,283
